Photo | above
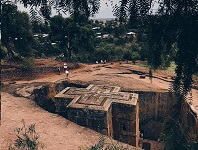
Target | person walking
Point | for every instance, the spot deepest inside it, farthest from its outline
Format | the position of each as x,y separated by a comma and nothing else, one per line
67,73
59,70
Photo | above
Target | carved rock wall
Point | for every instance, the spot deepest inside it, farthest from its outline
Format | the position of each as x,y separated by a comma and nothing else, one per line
154,107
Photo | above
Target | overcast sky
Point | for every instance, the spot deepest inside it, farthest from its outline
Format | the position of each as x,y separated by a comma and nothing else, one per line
104,12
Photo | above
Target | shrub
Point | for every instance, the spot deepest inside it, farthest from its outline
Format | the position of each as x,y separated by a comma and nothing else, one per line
27,138
3,51
27,64
103,145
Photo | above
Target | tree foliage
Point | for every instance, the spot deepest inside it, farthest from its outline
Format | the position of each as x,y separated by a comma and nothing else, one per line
40,27
64,31
16,30
85,39
71,35
27,138
174,22
86,7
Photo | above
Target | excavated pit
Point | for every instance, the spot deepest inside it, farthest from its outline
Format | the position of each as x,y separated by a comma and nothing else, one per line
153,106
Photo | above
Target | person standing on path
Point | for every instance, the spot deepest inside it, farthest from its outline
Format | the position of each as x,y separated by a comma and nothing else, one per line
67,73
59,70
65,66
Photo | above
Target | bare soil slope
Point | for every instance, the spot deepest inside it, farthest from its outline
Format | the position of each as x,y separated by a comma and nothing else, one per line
55,132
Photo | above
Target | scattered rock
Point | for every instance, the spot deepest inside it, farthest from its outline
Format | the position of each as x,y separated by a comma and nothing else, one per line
142,77
24,92
12,82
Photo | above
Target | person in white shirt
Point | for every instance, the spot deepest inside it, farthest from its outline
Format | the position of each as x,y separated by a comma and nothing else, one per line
65,66
67,73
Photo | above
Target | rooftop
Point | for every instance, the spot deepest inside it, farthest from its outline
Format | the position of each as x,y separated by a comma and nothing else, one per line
99,97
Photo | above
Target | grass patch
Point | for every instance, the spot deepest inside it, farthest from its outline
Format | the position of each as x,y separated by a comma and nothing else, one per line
171,69
142,64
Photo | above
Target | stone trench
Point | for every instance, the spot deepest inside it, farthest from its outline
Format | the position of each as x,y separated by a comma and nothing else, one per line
153,106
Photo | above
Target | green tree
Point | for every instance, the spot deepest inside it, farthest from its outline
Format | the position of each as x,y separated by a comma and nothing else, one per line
120,30
108,28
127,55
84,7
85,39
16,30
40,27
64,32
135,50
176,21
101,53
143,51
73,36
135,56
84,44
119,52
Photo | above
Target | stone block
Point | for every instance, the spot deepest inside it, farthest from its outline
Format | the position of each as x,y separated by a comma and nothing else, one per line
82,113
100,108
72,112
121,111
82,121
99,123
73,119
99,114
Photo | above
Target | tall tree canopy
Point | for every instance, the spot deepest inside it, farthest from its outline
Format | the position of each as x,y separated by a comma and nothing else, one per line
16,30
86,7
72,35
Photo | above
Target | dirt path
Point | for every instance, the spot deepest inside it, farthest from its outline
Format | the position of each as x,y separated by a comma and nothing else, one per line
55,132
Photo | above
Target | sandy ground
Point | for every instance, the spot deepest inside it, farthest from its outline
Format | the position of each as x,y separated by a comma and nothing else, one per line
57,132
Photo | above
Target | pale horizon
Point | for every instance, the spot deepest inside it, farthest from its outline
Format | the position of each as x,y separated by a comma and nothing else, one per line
105,11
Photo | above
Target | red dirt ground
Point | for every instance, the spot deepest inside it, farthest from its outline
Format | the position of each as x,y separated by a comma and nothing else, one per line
57,132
